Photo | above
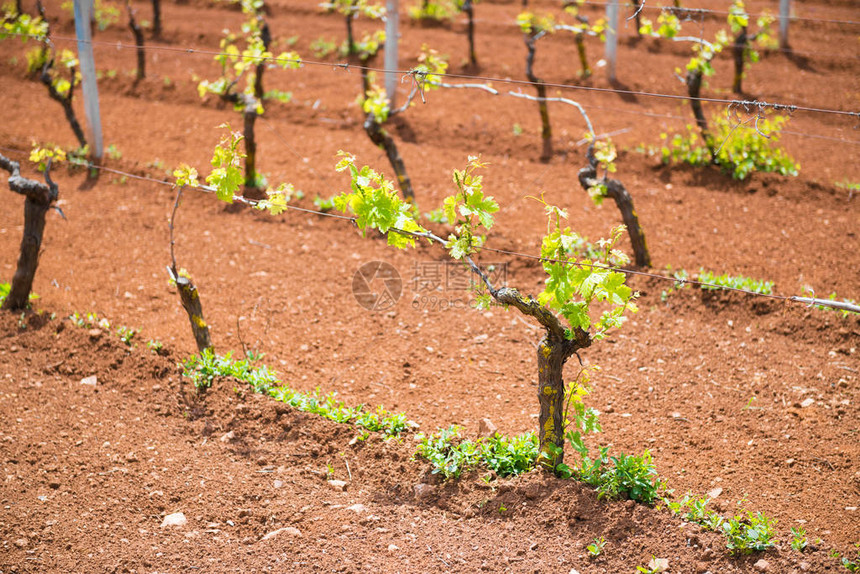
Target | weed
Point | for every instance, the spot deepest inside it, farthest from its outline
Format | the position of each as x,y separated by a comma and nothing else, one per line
852,565
745,534
448,457
321,48
89,321
595,549
126,335
851,187
155,346
716,282
323,204
509,456
112,151
798,539
202,370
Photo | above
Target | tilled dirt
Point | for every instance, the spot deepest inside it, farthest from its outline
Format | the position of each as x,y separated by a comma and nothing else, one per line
744,398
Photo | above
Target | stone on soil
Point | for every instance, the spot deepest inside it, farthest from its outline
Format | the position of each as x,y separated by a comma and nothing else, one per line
289,531
176,519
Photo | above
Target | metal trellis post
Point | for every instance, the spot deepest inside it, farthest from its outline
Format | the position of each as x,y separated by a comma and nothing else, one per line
83,15
784,16
611,37
392,38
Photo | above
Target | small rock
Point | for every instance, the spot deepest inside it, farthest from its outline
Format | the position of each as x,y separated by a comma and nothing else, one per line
487,428
91,381
227,437
804,566
176,519
337,484
789,462
715,492
762,565
95,334
278,484
131,457
243,512
357,508
423,491
658,564
289,531
573,571
806,403
22,542
392,548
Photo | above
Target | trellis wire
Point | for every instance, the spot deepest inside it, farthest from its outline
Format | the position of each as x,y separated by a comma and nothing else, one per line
347,67
809,301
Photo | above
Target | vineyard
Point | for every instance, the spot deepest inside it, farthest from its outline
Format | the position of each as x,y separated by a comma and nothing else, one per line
285,323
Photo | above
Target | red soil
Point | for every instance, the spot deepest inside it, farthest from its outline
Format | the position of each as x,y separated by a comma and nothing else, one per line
756,398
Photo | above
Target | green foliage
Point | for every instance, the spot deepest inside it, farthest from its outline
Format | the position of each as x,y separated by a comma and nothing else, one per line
605,154
746,534
22,26
715,282
88,321
590,280
695,510
843,312
40,156
203,368
445,454
428,73
509,456
438,10
104,13
239,57
535,25
376,205
226,177
321,48
355,8
633,477
451,456
595,549
156,346
744,148
127,335
798,539
668,25
5,288
469,210
853,565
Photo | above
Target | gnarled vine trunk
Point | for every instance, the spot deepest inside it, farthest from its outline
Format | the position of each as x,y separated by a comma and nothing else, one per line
694,90
380,137
39,198
156,18
138,40
738,49
553,352
191,303
469,10
546,130
65,101
616,190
